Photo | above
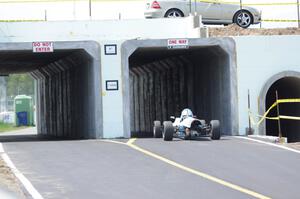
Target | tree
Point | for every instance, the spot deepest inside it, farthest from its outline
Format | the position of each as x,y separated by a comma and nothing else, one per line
20,84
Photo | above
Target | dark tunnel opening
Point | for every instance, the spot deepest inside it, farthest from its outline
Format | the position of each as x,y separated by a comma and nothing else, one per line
287,88
163,82
64,92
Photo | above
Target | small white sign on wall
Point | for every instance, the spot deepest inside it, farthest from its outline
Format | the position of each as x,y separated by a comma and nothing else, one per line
42,47
112,85
110,49
178,43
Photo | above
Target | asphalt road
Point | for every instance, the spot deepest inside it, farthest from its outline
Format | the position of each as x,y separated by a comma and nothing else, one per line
91,169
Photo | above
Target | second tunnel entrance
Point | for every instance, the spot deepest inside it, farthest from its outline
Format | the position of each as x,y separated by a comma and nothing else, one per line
162,82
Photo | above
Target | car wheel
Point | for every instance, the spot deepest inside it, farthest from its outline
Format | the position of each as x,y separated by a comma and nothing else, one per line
215,129
168,131
174,13
157,131
243,18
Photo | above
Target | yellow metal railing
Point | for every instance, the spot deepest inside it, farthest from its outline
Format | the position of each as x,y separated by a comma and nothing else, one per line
275,104
236,2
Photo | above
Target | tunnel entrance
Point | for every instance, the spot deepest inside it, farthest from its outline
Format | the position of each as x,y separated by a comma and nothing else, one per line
162,82
68,84
288,88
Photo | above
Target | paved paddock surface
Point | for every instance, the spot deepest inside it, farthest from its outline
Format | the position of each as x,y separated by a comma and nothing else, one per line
96,169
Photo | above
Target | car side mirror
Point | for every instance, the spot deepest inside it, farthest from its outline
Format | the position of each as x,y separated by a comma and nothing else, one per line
172,118
195,116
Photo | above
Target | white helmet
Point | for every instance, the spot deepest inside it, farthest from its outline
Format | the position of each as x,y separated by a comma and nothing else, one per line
186,113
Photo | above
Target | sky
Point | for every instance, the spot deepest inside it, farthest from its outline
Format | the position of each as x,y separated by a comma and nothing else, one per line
114,9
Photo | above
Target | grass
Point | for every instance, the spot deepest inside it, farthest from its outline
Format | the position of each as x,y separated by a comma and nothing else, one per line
9,127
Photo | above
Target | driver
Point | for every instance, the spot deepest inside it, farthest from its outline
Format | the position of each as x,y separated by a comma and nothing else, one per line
185,114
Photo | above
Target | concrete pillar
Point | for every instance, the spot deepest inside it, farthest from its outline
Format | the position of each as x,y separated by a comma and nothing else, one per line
35,76
60,112
132,104
176,79
57,119
168,95
43,102
135,103
148,98
52,100
190,82
163,90
3,96
182,83
158,79
141,100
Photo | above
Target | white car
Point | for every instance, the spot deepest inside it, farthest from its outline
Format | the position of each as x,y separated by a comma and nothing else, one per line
212,12
187,126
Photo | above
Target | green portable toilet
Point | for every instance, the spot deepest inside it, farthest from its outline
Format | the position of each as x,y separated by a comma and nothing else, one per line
23,110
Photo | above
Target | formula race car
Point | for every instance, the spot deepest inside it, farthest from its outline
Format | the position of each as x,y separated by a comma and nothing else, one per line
187,126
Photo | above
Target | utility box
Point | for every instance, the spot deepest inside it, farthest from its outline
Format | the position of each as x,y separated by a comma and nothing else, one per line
23,110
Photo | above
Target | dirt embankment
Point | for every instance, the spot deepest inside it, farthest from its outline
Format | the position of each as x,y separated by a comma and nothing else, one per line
8,181
234,30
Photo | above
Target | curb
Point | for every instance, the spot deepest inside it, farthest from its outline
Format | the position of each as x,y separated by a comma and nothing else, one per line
28,188
271,139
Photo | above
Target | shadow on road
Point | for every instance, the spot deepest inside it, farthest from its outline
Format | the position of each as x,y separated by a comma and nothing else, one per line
29,135
201,139
31,138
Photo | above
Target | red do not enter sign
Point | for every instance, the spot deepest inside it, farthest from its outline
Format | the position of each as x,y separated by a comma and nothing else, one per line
42,47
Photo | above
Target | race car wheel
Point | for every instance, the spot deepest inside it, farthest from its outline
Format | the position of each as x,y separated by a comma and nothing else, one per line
168,131
215,129
157,131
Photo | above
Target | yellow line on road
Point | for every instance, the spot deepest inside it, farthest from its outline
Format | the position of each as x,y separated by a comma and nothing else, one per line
131,141
198,173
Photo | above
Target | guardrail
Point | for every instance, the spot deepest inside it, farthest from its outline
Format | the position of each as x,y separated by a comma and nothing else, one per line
251,4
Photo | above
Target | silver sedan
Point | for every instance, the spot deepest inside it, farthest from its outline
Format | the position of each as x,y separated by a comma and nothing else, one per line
213,12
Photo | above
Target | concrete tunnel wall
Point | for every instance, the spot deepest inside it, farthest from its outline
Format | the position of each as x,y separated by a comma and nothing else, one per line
162,82
68,86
